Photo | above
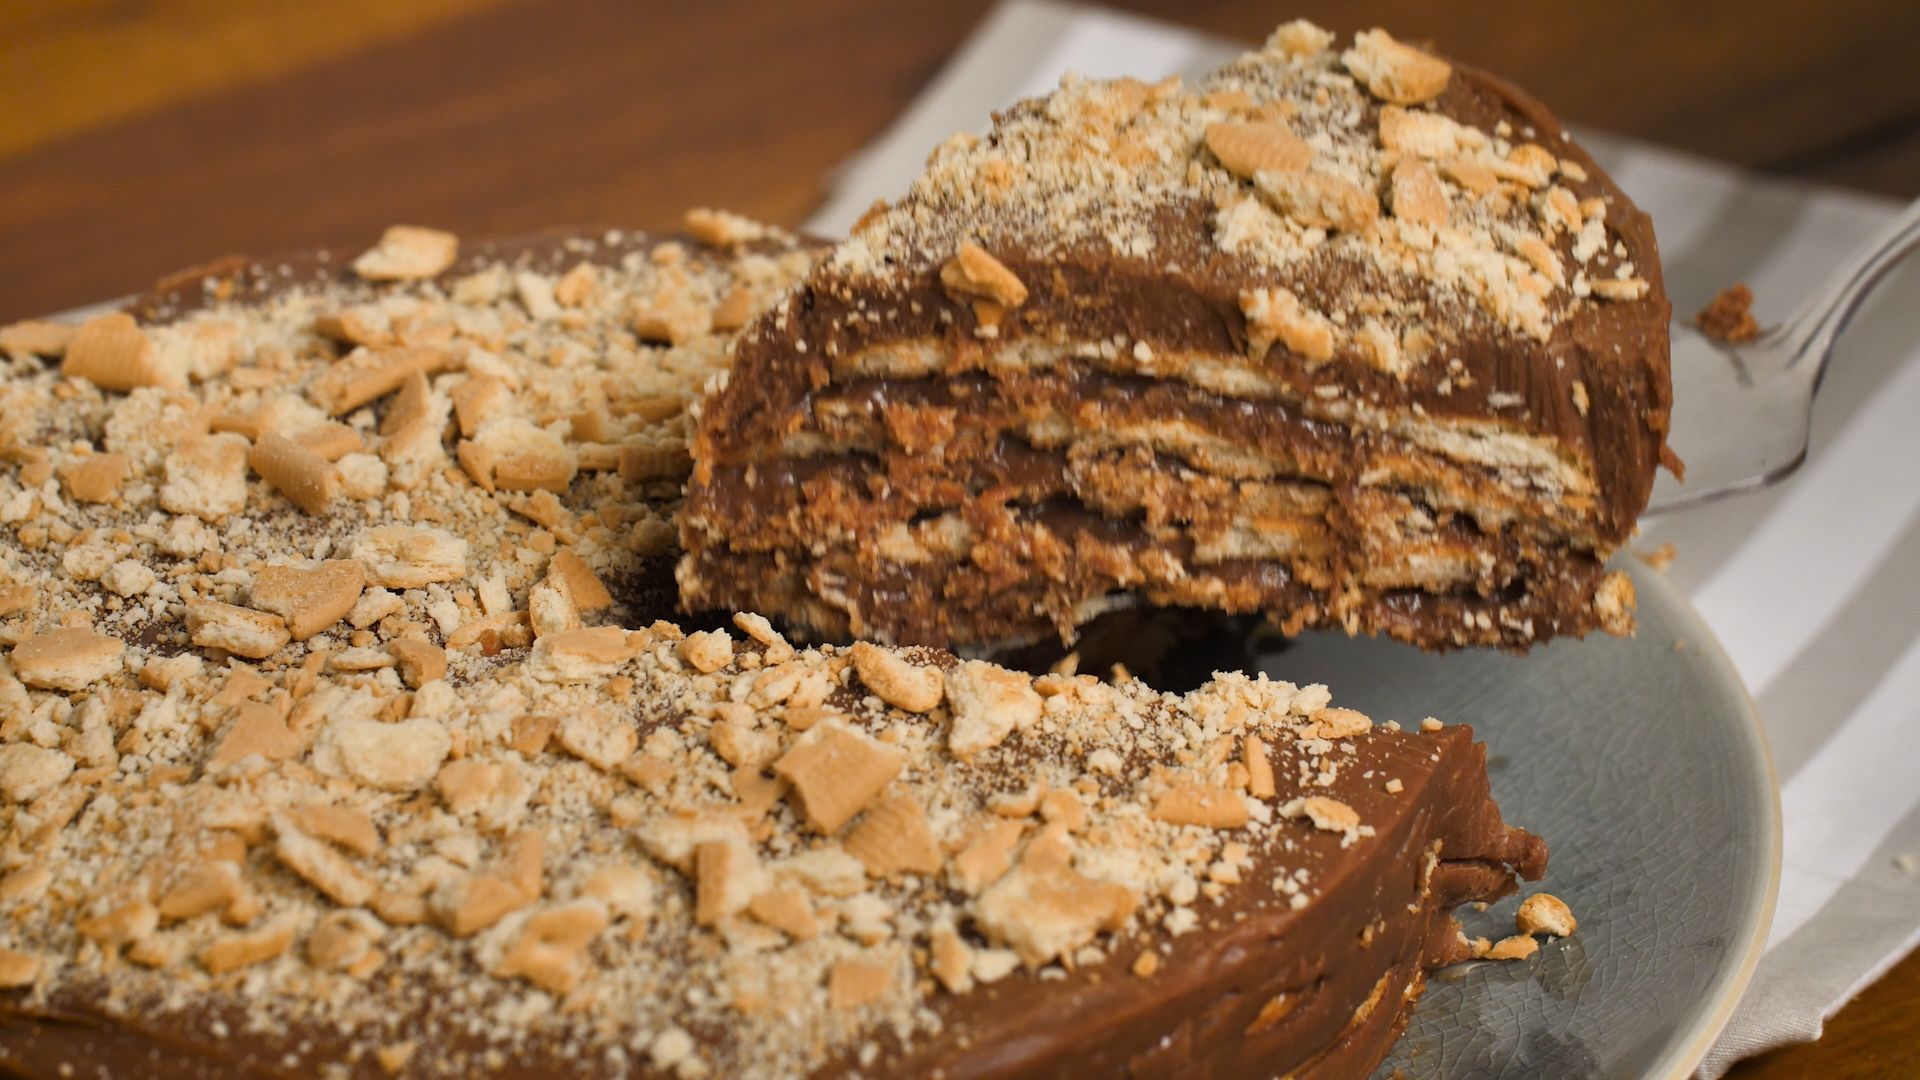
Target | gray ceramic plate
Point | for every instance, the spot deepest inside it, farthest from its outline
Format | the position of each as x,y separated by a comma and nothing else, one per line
1642,763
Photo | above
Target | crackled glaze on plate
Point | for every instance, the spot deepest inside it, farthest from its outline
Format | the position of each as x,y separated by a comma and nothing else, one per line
1643,764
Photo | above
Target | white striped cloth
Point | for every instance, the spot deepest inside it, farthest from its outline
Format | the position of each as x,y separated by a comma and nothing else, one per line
1813,586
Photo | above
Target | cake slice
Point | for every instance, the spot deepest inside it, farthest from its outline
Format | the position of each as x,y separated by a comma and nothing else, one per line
1345,336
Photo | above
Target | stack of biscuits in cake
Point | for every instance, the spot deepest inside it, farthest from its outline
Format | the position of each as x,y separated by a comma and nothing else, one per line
348,728
1344,337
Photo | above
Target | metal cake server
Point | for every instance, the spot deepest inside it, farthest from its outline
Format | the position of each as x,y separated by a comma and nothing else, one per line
1741,413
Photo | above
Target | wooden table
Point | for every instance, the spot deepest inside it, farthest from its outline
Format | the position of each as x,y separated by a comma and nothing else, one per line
136,138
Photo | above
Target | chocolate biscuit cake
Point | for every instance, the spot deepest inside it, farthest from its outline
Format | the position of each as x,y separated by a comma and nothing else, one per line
1343,335
340,735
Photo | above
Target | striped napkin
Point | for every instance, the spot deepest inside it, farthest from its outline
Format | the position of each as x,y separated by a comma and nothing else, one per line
1813,587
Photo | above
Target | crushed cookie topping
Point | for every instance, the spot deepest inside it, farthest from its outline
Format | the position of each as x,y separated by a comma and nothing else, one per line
1292,168
788,859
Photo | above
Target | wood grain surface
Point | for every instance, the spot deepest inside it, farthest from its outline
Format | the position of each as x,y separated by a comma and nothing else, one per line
139,137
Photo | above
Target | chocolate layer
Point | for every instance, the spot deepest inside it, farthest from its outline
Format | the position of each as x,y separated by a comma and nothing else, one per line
1343,519
942,429
1043,573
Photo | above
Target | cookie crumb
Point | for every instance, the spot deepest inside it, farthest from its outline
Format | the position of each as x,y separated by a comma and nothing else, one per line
1516,947
1660,557
1729,317
1545,913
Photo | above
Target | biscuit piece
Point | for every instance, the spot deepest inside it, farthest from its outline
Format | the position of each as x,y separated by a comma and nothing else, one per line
66,659
310,599
408,252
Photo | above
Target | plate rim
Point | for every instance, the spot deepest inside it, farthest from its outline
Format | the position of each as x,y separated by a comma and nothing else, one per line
1692,1045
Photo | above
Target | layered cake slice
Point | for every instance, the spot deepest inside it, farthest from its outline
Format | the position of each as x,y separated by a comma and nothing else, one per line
1342,334
340,736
